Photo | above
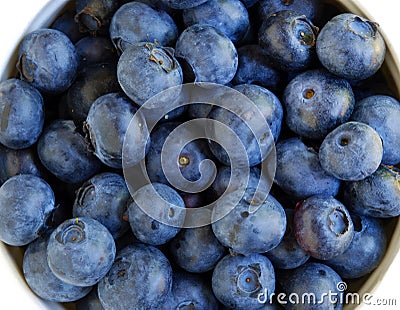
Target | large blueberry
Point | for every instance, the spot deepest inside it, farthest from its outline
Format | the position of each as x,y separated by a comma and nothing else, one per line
382,114
351,46
299,172
64,152
323,226
305,115
26,202
47,59
80,251
140,278
22,114
351,152
206,55
136,22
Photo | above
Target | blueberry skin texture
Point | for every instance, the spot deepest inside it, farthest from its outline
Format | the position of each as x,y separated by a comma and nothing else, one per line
22,114
305,115
229,16
288,254
94,15
365,251
323,226
196,250
314,278
104,198
237,280
130,286
144,70
351,152
136,22
252,226
375,196
288,39
183,4
190,291
106,125
255,68
66,24
64,152
92,50
303,7
80,251
206,55
382,114
47,60
299,172
146,228
41,279
350,46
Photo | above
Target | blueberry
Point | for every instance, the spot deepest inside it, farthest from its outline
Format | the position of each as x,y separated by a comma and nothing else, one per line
228,16
140,278
381,113
41,279
64,152
145,69
249,3
90,301
199,110
302,98
47,60
94,15
137,22
351,46
104,198
66,24
238,280
351,152
206,55
299,172
80,251
255,68
22,115
26,202
252,226
323,226
196,250
93,50
107,124
190,291
166,220
183,4
288,254
365,251
377,195
308,8
288,39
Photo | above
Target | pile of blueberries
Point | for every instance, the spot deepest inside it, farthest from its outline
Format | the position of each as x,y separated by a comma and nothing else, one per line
312,71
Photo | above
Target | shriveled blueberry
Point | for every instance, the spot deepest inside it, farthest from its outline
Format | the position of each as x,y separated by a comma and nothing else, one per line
196,249
104,198
66,24
136,22
140,278
94,15
170,209
144,70
80,251
190,291
93,50
26,202
183,4
365,251
382,114
288,39
252,226
299,172
107,124
22,114
351,46
64,152
47,60
305,7
206,55
238,280
305,115
377,195
323,226
288,254
351,152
